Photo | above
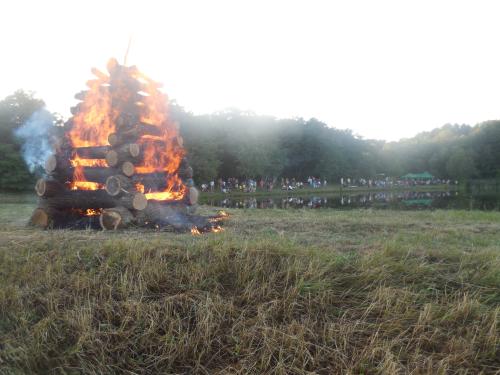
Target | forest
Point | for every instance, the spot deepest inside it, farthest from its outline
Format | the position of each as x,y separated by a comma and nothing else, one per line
234,143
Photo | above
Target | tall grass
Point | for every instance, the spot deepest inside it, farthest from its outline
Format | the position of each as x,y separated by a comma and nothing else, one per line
280,292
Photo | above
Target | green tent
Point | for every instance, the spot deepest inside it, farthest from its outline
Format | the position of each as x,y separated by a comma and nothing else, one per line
418,176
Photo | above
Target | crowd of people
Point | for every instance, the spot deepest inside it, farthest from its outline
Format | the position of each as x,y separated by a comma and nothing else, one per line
232,184
392,182
264,184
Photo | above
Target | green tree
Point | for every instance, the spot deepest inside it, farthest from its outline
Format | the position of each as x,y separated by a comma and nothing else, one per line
460,165
15,109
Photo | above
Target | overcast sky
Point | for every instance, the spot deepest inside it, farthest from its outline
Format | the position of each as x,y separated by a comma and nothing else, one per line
385,69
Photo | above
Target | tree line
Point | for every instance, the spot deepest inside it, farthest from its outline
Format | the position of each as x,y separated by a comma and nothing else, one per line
234,143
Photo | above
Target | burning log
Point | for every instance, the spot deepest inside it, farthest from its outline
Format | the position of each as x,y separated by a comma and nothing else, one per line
48,188
127,152
76,109
133,134
128,169
82,199
119,184
133,201
102,76
85,199
80,95
149,181
46,217
115,218
96,152
53,162
127,120
93,174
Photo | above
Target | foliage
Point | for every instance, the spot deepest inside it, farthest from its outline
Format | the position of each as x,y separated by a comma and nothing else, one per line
241,144
14,111
14,175
235,143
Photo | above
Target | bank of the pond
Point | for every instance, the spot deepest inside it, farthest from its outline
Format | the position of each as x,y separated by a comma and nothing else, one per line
279,291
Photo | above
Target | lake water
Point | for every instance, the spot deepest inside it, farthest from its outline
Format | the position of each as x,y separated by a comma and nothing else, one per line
401,200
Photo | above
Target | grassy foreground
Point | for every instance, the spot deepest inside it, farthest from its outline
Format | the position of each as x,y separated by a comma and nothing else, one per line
279,292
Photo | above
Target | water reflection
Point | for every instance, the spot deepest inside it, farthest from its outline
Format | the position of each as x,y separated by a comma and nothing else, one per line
409,200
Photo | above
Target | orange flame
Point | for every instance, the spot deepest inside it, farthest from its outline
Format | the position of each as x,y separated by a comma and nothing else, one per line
195,231
92,212
217,229
109,100
93,123
80,182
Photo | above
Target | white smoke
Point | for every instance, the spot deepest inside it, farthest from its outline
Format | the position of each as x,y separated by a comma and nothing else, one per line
36,134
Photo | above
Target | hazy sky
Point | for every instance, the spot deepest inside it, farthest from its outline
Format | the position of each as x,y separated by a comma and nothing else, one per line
386,69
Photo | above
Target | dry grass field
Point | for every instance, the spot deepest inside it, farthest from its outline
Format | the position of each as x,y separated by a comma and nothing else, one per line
278,292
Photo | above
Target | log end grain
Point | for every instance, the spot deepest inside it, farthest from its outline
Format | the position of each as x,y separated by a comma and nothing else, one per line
51,164
112,158
128,169
40,218
40,187
139,202
113,139
115,218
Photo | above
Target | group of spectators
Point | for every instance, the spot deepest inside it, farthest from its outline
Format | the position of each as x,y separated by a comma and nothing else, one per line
292,184
232,184
392,181
251,185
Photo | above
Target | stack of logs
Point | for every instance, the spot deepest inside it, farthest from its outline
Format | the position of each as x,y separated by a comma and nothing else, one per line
112,198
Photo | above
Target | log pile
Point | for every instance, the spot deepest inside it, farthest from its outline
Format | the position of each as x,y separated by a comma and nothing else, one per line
121,161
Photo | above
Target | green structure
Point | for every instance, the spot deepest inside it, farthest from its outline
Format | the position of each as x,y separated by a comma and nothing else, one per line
418,176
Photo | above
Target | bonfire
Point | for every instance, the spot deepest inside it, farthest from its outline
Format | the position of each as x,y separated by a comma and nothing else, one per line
121,161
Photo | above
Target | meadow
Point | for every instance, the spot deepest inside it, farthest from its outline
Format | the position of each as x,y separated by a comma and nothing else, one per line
278,292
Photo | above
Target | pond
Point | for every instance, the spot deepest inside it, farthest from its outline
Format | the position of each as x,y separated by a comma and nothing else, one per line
400,200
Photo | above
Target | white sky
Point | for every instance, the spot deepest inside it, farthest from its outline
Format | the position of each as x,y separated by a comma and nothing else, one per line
386,69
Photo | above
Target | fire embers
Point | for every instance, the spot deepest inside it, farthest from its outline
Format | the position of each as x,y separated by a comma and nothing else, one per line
121,159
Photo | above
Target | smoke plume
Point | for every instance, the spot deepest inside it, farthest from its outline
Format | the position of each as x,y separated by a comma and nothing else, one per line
36,136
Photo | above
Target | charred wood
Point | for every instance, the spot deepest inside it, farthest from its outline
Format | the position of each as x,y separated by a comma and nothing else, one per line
48,188
134,133
93,174
95,152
